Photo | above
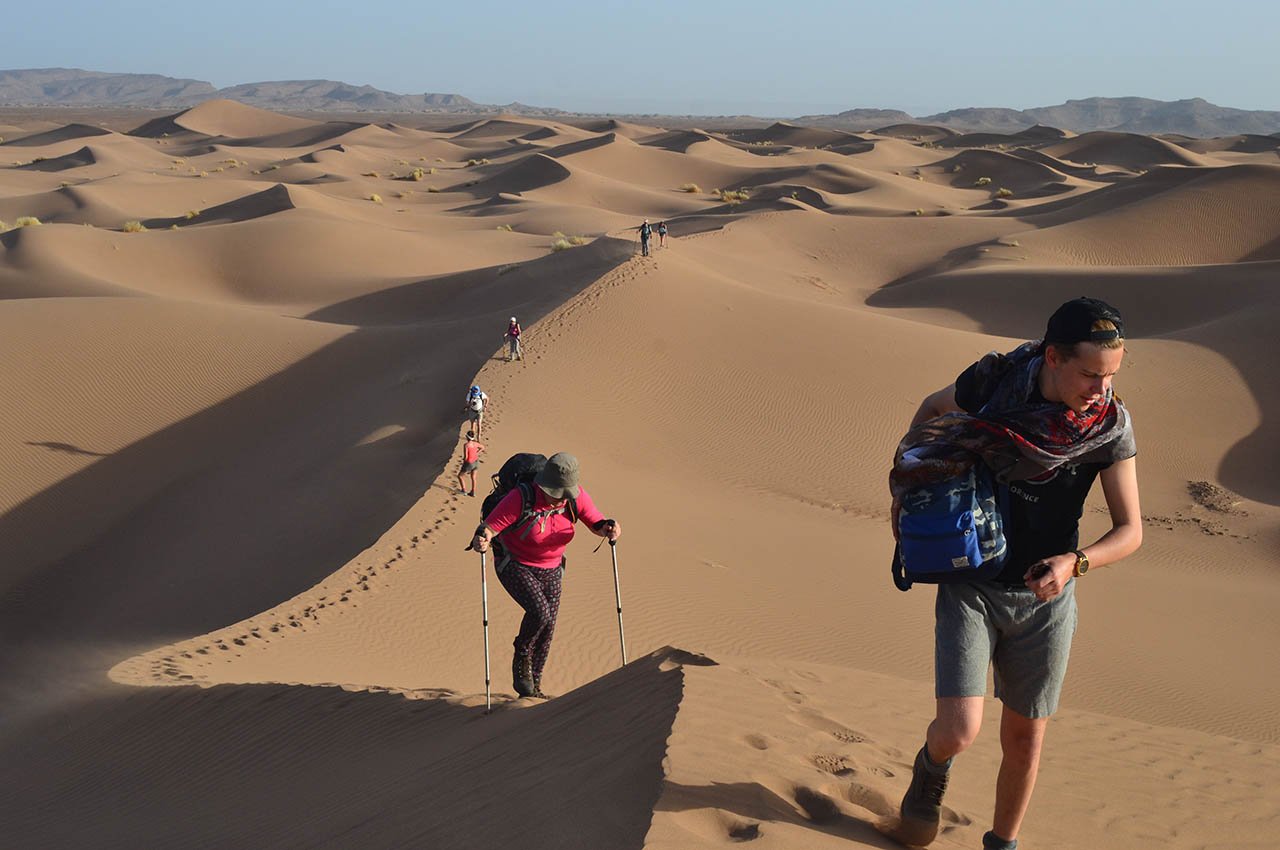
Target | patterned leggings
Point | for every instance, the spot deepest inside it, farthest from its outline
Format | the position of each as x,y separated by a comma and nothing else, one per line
538,593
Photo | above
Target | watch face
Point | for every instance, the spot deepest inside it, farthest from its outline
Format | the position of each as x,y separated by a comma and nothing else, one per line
1082,563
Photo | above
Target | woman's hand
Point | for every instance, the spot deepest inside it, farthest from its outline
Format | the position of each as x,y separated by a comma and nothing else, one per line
609,528
480,542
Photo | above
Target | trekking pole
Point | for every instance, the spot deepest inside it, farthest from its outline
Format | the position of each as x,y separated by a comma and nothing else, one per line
484,601
617,595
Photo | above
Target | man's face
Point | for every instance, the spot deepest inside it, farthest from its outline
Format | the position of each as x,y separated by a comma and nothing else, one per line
1084,378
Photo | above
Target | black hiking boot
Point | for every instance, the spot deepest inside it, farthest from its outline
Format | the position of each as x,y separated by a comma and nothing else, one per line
922,806
537,689
522,675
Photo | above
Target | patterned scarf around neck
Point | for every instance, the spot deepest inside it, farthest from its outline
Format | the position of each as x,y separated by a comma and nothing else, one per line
1018,434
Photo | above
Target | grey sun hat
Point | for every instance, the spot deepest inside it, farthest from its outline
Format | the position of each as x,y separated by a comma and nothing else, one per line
559,478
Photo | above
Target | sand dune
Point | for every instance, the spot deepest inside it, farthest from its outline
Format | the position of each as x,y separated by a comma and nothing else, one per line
59,134
915,132
1126,150
233,601
223,118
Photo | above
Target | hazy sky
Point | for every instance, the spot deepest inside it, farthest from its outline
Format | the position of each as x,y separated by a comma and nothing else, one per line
781,58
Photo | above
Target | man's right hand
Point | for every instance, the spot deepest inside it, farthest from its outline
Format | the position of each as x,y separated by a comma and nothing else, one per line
480,543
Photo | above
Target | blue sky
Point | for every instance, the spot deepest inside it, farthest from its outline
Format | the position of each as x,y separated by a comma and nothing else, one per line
703,57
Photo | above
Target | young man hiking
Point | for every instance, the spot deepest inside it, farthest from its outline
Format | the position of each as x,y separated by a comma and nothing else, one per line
1046,422
512,336
470,460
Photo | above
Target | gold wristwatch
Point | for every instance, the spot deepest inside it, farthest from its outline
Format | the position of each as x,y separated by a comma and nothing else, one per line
1082,564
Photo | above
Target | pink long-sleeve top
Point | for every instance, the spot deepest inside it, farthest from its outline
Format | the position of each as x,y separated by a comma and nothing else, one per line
539,543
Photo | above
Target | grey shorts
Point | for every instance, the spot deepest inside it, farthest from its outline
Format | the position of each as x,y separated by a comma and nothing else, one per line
468,467
984,624
474,415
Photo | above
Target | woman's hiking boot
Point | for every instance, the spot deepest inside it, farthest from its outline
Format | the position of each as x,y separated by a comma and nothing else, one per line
522,675
537,689
921,808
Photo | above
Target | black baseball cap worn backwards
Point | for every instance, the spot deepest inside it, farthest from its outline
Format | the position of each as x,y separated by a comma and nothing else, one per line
1073,322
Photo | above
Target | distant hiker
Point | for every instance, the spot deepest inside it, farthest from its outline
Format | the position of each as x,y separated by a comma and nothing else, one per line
1043,419
646,231
512,337
534,523
475,404
662,234
470,460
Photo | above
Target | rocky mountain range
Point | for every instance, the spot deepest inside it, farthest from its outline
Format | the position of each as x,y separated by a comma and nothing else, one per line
73,87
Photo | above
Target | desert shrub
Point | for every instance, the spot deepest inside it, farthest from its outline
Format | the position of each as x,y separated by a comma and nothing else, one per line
578,240
918,212
1002,192
376,198
205,173
3,226
558,235
173,227
26,221
732,197
192,214
418,173
561,245
691,188
474,162
982,181
505,228
133,227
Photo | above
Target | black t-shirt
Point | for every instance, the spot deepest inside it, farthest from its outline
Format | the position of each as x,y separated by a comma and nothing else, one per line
1045,514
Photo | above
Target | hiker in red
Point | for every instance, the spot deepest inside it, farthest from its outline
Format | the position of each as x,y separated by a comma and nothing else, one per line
532,565
470,460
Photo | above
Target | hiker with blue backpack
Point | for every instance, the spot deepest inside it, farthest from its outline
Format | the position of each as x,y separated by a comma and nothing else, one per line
988,488
529,521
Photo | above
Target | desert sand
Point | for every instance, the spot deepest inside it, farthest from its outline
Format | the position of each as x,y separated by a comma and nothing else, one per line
236,609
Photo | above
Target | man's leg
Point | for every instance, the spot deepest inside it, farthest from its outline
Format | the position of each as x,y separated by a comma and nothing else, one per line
1021,739
954,728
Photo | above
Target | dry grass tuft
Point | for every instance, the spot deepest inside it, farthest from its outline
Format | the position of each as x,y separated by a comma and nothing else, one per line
376,198
982,181
505,228
691,188
471,163
26,221
561,245
133,227
1002,192
192,214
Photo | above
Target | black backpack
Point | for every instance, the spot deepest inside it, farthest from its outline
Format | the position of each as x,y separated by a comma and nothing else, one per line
519,472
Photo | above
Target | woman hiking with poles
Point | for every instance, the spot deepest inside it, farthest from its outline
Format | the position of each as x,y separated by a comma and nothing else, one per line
539,522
